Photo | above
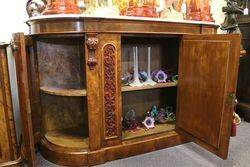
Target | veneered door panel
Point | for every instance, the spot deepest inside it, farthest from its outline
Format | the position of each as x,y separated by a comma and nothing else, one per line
19,52
207,75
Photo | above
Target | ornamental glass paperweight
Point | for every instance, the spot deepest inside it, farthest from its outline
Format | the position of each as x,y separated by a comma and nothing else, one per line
61,7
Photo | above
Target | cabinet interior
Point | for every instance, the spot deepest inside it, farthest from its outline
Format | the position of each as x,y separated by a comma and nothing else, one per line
61,67
164,56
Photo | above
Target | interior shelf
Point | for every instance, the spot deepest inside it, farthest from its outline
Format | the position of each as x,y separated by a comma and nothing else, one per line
70,138
141,132
157,86
63,91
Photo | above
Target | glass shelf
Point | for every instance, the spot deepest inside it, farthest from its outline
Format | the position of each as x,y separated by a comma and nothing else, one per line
147,87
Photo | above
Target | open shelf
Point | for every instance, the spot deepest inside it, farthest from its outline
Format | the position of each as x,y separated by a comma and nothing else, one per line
141,132
157,86
69,138
63,91
164,57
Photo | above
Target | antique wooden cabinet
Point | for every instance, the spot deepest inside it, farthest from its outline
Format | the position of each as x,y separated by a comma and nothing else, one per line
9,148
72,100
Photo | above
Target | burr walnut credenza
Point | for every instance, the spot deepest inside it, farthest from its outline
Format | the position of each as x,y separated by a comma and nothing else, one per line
72,100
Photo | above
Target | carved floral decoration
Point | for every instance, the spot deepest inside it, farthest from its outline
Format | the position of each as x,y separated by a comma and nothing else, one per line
110,90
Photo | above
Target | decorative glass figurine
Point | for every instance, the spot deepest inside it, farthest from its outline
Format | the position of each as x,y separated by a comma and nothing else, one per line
175,78
154,111
122,5
35,7
136,82
61,7
143,76
149,80
129,121
160,76
199,10
149,123
102,8
169,9
142,8
127,78
161,116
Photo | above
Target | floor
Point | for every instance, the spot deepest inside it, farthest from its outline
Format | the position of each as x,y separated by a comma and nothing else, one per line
188,155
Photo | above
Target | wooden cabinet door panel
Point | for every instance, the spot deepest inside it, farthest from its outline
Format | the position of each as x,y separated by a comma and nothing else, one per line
207,75
8,143
21,62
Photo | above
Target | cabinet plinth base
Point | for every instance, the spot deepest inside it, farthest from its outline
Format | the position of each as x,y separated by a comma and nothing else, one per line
67,157
63,156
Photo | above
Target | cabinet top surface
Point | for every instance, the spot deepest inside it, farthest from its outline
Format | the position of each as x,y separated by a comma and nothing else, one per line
72,23
121,18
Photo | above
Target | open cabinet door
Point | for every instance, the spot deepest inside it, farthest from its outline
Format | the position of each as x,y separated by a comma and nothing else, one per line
19,52
208,68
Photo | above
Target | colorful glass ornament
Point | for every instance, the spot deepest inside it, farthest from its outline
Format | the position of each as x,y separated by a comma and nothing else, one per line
61,7
143,76
199,10
161,117
129,121
122,5
102,8
154,111
142,8
175,78
159,76
149,123
127,78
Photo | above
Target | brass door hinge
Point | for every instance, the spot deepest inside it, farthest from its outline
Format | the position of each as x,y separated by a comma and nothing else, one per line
230,101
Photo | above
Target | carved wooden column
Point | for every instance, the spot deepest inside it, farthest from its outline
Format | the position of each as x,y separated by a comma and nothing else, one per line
110,48
92,69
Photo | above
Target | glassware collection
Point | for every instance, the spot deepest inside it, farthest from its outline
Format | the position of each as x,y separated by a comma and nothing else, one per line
177,10
153,116
135,78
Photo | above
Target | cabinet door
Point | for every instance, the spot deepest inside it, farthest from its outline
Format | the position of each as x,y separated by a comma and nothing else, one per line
8,144
208,69
21,62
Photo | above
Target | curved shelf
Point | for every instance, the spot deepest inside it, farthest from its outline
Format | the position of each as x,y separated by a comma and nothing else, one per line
68,138
54,153
64,92
157,86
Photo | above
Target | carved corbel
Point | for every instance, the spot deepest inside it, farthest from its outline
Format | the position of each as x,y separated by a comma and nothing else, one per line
92,44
